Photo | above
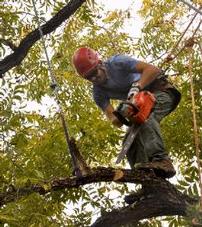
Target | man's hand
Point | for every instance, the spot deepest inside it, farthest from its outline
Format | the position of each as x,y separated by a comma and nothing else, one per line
134,90
109,113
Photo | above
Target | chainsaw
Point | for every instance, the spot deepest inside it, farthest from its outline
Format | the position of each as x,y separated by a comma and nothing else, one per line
134,113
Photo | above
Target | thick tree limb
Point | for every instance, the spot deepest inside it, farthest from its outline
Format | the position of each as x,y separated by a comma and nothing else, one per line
161,198
21,51
99,174
158,197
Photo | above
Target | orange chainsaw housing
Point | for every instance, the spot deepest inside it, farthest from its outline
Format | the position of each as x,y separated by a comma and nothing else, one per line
141,107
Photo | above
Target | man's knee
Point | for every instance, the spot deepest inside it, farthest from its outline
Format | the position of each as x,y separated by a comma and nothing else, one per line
164,105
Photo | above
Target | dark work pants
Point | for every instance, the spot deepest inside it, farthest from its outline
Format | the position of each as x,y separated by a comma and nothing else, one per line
148,144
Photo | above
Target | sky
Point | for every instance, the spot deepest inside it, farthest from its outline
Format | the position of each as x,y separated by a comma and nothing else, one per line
136,23
119,4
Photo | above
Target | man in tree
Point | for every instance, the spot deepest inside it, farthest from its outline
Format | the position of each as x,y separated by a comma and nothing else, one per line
121,77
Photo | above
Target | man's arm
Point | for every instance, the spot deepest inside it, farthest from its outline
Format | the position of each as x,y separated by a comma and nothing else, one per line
148,73
109,113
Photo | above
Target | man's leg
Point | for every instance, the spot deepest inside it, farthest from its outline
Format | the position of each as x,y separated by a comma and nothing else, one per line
148,145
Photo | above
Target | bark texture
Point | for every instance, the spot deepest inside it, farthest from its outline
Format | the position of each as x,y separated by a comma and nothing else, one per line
21,51
160,197
100,174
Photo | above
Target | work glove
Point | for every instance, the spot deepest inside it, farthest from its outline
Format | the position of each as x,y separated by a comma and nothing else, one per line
134,90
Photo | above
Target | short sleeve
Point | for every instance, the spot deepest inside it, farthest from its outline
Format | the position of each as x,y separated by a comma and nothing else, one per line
125,63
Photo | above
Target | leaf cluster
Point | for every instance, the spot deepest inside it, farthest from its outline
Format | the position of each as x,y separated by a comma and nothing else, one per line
33,147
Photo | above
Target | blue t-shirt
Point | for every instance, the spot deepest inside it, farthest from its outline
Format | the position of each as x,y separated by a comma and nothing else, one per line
122,73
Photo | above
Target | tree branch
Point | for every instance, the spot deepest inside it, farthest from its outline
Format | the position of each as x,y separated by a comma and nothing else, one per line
21,51
160,198
8,43
100,174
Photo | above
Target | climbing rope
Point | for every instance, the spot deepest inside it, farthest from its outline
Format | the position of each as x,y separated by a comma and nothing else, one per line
196,134
191,6
191,38
170,56
55,89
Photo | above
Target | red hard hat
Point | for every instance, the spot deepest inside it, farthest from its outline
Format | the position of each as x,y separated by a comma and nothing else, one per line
85,59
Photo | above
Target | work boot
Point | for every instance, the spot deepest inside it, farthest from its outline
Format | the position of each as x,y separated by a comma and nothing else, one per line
162,168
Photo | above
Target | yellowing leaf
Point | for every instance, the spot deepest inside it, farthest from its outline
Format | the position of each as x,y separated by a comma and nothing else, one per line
198,2
47,187
112,16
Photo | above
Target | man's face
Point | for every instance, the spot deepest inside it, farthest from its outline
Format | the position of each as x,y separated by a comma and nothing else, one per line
98,75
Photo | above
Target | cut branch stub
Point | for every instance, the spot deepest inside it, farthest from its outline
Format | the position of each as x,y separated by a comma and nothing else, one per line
80,167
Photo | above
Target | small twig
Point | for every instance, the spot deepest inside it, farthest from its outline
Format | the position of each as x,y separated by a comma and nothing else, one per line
159,57
8,43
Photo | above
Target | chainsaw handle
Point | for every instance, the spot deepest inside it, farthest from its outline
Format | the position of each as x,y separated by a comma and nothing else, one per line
122,119
135,108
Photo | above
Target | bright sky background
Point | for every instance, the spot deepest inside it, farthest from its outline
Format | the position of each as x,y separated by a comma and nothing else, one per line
136,23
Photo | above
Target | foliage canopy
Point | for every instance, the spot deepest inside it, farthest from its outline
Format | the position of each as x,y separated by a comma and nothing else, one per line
32,143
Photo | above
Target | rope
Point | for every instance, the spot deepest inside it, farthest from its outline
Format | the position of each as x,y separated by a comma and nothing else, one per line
196,135
189,42
191,6
169,57
55,89
177,44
